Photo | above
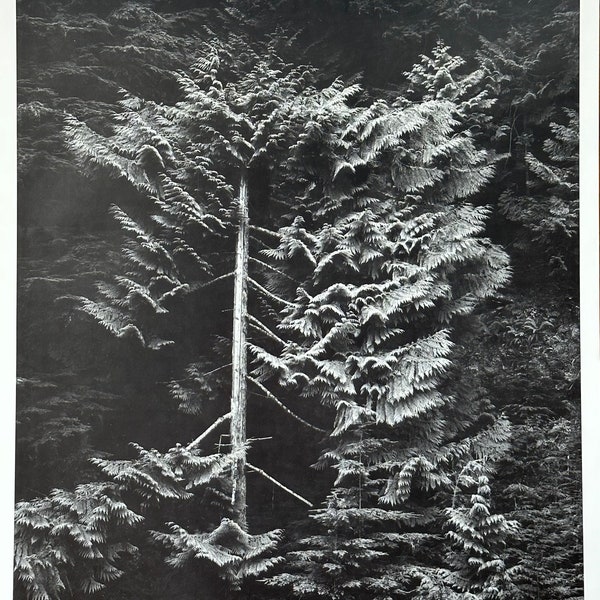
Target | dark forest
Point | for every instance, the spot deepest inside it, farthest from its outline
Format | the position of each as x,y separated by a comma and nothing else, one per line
298,300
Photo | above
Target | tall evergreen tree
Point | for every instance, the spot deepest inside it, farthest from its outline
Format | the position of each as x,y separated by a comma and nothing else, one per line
195,162
397,264
197,159
381,260
479,539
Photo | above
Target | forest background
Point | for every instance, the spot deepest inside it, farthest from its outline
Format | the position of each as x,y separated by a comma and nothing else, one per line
583,298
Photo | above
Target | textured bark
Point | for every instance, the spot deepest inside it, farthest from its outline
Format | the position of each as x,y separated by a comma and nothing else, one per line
240,361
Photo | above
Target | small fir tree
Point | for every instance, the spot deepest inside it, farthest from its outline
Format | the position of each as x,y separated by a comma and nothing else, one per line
479,539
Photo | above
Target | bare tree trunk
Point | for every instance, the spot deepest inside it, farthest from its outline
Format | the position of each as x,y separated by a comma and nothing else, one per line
240,361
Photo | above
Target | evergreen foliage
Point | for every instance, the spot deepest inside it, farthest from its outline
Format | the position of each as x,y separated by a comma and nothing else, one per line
550,543
396,262
347,555
529,359
479,538
168,154
66,530
382,316
73,539
189,157
238,554
549,212
537,127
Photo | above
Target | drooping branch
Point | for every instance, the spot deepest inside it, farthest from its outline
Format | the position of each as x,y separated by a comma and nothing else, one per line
198,286
274,269
260,242
268,232
269,294
262,327
216,370
281,405
278,484
208,431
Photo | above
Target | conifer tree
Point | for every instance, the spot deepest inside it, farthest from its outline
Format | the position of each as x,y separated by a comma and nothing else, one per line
380,257
194,162
74,541
479,538
548,210
196,159
397,262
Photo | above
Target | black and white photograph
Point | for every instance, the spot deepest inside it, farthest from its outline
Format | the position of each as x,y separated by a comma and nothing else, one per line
298,300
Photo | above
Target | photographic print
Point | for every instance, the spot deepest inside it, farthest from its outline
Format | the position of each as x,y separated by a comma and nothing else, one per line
298,303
